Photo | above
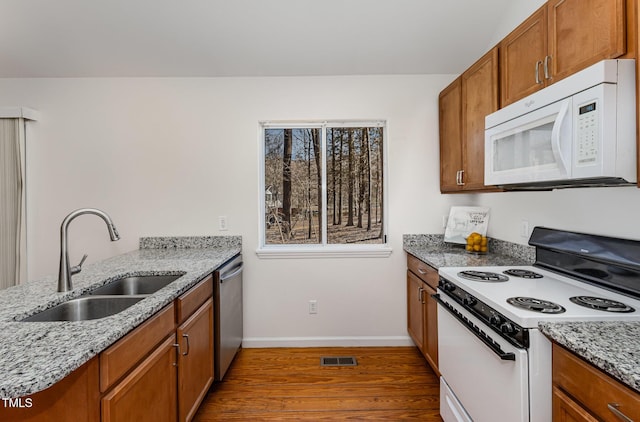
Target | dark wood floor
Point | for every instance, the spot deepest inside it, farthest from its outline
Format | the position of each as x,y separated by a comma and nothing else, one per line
389,383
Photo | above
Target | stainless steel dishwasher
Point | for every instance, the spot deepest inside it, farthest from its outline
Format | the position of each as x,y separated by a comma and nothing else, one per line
227,297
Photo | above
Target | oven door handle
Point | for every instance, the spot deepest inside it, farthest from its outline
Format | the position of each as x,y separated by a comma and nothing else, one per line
495,348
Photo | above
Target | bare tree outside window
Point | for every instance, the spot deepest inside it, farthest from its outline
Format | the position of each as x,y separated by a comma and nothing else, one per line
308,189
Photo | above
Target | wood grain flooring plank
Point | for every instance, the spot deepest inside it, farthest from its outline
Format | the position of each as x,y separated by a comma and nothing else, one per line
389,383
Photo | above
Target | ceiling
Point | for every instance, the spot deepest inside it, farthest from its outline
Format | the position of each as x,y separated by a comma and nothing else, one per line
202,38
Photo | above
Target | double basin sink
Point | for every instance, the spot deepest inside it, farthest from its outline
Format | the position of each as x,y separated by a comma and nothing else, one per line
107,300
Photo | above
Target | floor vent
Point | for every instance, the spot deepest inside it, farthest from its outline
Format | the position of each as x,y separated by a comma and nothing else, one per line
338,361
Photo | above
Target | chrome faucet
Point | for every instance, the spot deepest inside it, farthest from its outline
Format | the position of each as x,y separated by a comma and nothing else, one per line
66,271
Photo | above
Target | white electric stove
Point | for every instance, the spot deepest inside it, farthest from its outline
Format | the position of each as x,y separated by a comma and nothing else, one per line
495,363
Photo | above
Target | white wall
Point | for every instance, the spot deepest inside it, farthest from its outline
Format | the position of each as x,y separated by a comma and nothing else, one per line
607,211
517,12
168,156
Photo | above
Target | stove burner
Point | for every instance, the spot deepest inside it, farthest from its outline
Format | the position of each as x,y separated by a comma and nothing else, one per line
536,305
522,273
482,276
601,304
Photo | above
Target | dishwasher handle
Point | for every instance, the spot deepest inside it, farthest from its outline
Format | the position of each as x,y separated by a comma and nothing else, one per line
226,276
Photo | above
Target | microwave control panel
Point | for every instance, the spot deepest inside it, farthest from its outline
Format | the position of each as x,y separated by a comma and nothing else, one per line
587,134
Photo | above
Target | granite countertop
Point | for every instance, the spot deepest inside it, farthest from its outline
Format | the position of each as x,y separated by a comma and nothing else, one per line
36,355
431,249
613,346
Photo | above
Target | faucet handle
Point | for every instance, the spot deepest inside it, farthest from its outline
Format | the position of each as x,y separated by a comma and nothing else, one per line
78,268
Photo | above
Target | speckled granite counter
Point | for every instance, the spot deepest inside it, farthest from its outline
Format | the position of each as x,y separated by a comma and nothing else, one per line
431,249
611,346
36,355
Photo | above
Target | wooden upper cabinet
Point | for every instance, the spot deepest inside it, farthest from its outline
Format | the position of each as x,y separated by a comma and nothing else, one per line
480,98
584,32
560,39
450,109
522,54
464,104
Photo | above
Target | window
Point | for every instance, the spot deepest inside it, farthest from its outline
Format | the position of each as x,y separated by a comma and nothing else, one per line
323,187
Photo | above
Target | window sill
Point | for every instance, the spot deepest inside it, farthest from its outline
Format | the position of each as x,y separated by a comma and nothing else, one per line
283,252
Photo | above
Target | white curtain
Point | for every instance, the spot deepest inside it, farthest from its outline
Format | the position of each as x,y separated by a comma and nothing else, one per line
12,202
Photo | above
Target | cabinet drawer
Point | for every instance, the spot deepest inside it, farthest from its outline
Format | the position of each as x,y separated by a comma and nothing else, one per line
427,273
592,388
189,302
118,359
148,393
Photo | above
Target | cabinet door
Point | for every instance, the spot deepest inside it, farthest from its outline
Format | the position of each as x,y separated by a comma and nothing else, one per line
431,328
520,54
195,365
566,410
415,313
149,392
479,98
584,32
450,106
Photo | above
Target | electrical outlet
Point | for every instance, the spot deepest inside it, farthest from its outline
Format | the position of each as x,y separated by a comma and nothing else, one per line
313,306
222,223
524,229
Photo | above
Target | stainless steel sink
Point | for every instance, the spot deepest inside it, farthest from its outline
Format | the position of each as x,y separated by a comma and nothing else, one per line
140,285
85,308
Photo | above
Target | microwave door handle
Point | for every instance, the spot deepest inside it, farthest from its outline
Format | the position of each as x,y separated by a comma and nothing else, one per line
555,137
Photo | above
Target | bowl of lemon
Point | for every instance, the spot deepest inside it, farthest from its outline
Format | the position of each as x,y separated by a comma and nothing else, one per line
477,243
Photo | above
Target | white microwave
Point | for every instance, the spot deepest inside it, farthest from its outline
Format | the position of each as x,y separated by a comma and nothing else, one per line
580,131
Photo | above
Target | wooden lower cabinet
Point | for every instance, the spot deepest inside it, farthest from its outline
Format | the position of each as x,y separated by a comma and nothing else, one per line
415,311
582,392
567,410
75,398
431,329
422,310
149,392
195,362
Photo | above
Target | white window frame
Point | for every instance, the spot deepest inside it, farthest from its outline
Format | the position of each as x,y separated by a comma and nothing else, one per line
324,250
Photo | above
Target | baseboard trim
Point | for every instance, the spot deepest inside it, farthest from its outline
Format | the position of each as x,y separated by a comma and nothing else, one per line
391,341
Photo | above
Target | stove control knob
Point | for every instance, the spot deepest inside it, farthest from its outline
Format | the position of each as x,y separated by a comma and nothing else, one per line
495,320
449,287
507,328
469,300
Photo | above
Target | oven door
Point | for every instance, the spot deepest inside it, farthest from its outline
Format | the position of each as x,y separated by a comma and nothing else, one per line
486,374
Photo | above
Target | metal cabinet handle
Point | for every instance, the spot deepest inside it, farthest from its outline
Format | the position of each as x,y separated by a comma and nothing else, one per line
420,292
461,178
186,337
614,409
177,346
547,59
421,271
538,63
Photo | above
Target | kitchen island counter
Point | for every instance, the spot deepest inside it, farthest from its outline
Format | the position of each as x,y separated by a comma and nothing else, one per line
36,355
432,250
612,346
